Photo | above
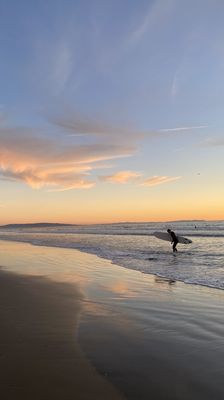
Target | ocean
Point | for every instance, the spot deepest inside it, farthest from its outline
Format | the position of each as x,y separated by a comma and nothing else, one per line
133,246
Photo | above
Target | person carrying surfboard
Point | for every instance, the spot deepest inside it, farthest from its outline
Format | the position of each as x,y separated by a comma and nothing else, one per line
174,239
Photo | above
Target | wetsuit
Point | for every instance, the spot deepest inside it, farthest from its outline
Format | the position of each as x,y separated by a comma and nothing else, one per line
174,240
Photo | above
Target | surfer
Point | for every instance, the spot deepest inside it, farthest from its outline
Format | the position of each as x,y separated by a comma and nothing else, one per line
174,239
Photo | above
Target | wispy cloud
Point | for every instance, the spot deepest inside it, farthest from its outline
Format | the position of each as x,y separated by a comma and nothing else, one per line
121,177
154,16
76,124
183,128
59,161
124,177
62,69
159,180
145,24
53,64
38,160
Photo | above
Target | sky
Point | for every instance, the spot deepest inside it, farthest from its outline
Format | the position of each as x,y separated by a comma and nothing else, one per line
111,110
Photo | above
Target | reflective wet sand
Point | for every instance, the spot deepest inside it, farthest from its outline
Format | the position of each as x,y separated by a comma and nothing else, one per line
67,315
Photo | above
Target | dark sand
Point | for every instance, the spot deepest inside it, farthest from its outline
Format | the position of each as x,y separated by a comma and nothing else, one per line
39,354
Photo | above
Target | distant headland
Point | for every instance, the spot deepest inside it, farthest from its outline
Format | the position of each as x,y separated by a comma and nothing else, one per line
35,225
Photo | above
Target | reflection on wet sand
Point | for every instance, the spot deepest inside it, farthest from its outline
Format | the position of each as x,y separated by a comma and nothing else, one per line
162,280
142,332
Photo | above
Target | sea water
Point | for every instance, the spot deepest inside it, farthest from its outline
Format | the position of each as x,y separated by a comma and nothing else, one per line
133,246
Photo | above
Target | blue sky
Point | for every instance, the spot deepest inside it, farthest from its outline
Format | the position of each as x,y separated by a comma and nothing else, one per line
124,95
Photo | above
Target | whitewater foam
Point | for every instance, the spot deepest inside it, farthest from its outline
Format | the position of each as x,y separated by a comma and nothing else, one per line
201,262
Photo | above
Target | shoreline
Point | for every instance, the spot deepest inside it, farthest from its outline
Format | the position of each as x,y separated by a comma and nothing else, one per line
121,330
178,281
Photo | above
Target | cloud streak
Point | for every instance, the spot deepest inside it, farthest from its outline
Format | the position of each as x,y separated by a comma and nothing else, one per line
183,128
156,15
74,124
63,65
159,180
53,63
124,177
121,177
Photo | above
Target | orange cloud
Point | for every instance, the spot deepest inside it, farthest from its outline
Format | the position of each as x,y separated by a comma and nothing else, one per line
121,177
38,159
65,157
159,180
37,179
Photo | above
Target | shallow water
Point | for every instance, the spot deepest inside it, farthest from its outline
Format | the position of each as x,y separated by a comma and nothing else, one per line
133,246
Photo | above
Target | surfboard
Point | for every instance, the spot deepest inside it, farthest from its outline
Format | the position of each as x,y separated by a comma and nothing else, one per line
166,236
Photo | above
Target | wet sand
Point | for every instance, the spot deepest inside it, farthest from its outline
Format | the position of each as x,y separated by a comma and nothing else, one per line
164,349
87,329
39,354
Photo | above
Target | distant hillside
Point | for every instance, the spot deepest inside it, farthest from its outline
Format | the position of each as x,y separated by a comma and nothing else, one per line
187,220
36,225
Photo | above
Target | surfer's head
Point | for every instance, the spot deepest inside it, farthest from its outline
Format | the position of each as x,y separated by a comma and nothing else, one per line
168,230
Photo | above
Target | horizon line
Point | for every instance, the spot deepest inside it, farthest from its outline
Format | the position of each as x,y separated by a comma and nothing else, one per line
109,223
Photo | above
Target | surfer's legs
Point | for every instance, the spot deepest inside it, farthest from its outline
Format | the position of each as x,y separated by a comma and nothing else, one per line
174,246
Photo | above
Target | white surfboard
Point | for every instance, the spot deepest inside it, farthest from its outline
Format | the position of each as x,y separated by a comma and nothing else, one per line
166,236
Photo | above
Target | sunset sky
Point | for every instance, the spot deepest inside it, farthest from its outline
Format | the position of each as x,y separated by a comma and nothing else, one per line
111,110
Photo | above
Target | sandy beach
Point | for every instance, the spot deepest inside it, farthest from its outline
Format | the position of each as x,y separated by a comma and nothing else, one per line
75,326
40,356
